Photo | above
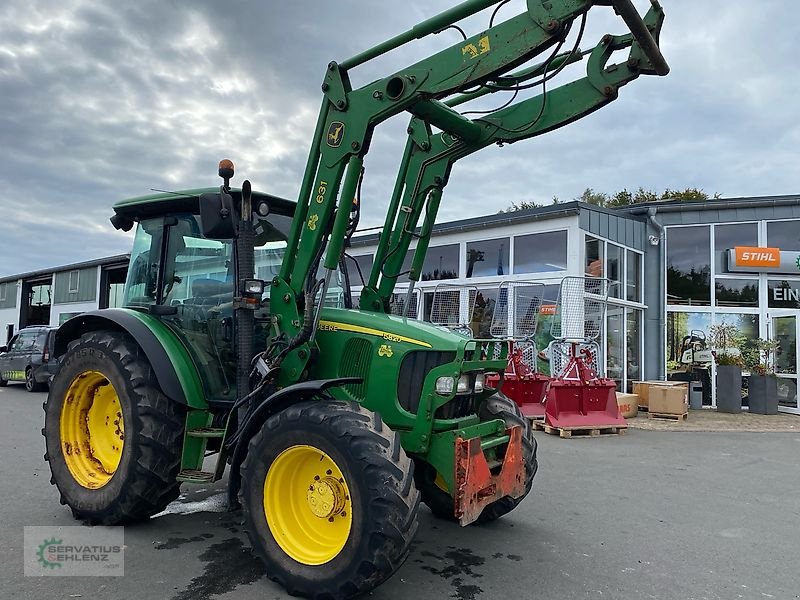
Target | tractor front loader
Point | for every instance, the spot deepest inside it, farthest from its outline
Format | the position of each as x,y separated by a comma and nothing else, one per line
239,346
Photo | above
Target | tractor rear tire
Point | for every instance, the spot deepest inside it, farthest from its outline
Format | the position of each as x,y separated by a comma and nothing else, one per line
502,407
113,438
441,502
3,382
329,500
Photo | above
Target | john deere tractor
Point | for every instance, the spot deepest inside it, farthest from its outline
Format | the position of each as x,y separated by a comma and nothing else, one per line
239,345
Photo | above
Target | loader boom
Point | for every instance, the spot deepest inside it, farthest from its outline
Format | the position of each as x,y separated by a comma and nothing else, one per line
348,117
428,159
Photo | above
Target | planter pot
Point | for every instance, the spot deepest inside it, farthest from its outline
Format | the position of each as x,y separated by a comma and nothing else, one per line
764,394
729,389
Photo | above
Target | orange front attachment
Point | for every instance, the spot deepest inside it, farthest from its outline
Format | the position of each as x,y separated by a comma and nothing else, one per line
476,486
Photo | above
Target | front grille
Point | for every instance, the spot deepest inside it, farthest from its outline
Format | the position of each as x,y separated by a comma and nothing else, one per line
460,406
415,368
355,362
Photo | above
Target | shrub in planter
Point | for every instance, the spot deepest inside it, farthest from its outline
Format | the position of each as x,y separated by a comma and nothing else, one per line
726,343
763,382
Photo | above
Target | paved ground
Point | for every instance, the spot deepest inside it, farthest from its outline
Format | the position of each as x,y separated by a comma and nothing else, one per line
711,420
659,515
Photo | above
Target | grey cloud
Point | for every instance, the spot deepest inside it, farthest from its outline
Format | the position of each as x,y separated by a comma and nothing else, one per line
102,101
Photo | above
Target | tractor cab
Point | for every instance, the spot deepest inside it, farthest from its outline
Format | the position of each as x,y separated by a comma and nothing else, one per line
182,275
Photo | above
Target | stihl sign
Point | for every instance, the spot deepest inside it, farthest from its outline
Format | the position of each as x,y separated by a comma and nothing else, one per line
751,259
747,256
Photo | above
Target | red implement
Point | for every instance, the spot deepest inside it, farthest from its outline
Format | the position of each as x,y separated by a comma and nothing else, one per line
476,486
523,385
581,400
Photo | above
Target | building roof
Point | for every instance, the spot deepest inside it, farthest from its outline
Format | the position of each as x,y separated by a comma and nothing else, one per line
528,215
108,260
712,204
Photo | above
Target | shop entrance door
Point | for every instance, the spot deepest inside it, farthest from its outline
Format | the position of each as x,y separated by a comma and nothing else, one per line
785,328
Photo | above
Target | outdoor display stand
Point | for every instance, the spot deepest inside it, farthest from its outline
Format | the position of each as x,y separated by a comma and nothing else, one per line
404,302
515,319
453,306
578,399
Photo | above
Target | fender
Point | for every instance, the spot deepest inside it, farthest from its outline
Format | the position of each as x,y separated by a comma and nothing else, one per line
176,373
271,405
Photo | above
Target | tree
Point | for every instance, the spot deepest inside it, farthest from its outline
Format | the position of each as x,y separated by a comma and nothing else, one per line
623,198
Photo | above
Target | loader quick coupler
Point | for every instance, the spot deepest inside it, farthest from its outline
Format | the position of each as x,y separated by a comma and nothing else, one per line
475,485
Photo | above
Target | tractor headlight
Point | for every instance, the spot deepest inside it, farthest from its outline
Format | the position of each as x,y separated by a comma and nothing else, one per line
444,386
464,385
479,381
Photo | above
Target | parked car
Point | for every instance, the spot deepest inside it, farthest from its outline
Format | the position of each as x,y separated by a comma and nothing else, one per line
28,357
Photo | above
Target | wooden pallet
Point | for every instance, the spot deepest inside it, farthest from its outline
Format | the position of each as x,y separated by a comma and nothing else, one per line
683,417
568,432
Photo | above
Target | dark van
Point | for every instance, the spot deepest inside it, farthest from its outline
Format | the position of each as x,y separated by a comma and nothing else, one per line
29,358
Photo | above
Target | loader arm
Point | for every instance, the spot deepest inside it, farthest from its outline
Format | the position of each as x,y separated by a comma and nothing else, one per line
348,117
428,159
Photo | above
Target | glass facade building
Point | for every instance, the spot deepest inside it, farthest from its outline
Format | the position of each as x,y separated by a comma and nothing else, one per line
675,269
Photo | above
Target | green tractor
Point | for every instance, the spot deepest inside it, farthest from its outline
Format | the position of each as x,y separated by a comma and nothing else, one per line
239,344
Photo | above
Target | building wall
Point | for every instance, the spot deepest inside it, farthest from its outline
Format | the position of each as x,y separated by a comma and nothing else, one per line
61,312
9,309
85,291
69,304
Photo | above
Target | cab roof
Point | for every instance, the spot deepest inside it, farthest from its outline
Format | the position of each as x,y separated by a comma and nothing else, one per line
153,205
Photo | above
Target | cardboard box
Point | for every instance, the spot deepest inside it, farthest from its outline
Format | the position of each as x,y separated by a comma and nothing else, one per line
669,400
628,404
642,389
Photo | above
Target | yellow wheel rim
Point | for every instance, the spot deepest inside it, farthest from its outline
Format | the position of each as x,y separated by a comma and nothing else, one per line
307,504
441,483
92,429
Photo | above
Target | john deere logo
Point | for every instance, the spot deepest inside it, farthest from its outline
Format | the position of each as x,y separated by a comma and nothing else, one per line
335,134
385,351
797,262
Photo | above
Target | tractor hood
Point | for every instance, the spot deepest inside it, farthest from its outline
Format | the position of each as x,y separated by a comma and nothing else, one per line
410,333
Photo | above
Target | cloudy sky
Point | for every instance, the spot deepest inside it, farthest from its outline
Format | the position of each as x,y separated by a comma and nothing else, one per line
101,101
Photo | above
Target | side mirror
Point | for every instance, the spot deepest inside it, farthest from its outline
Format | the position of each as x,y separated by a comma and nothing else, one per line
217,216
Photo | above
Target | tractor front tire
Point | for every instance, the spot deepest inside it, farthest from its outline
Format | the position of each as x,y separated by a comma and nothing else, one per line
431,485
502,407
329,499
113,439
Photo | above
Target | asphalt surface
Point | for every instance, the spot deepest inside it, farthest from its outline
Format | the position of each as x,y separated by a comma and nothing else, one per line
651,514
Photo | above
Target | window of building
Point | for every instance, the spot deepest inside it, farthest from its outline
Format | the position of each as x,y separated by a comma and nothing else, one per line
730,236
633,276
784,234
633,347
615,344
747,324
540,252
441,262
614,258
482,314
594,257
689,265
360,265
2,292
783,293
736,292
487,258
74,281
682,329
